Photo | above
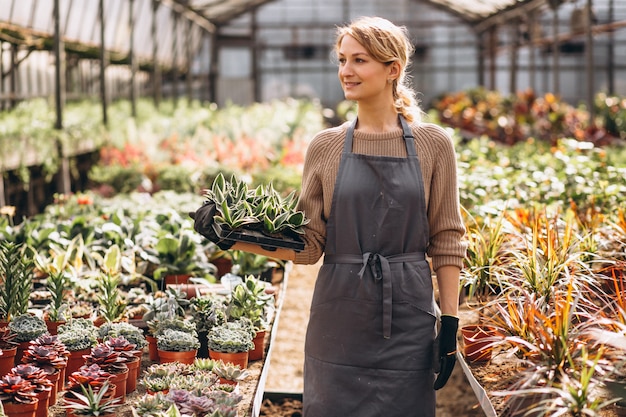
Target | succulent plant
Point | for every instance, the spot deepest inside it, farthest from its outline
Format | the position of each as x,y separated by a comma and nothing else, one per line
230,338
92,402
16,269
15,389
130,332
203,364
177,340
107,358
27,327
45,357
126,349
78,334
156,384
250,300
57,283
150,405
92,375
33,374
207,312
229,371
7,338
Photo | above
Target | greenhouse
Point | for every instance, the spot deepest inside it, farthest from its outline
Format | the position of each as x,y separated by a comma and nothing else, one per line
122,122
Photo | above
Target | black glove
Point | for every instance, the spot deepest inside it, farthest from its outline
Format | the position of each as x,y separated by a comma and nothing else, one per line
203,224
447,349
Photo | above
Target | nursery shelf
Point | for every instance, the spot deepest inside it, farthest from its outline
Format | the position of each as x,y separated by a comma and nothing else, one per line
481,394
255,407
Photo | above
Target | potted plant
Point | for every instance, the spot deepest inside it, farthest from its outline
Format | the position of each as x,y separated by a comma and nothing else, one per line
177,345
8,349
92,403
150,405
251,301
50,359
17,270
229,373
230,342
206,312
133,334
129,352
78,335
112,361
26,328
42,385
88,376
17,396
57,311
112,304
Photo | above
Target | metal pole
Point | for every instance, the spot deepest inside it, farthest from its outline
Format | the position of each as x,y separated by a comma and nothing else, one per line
611,52
175,60
555,50
189,59
58,70
589,59
103,93
481,58
213,67
156,73
514,51
131,59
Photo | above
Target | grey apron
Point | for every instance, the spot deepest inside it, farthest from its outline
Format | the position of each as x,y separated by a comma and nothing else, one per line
370,338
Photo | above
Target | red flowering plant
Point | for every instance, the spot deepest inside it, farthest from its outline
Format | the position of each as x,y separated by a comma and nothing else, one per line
92,377
17,390
53,342
46,358
33,374
107,358
126,349
7,338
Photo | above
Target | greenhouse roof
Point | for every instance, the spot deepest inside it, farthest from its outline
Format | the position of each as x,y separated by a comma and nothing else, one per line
477,11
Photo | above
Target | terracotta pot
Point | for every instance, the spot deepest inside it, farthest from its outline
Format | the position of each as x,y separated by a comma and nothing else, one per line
7,360
19,409
186,357
239,358
228,381
223,265
176,279
259,346
133,375
120,380
20,351
153,353
75,361
43,402
55,379
478,341
53,326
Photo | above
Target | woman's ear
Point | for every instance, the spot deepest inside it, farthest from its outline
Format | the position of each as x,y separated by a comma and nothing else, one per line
394,71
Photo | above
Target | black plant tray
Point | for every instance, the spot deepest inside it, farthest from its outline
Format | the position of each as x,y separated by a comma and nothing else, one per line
256,236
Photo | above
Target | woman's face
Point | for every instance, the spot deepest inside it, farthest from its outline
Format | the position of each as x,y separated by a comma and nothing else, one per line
362,77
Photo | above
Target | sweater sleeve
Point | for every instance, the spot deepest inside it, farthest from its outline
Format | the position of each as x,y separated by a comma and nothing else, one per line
447,229
312,198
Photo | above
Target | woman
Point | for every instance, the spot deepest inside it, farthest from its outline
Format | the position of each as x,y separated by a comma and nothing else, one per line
382,196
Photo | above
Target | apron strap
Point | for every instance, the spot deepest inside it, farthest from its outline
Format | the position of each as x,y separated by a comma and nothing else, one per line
406,133
381,271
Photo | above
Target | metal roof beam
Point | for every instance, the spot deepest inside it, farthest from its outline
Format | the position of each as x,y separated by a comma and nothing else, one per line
515,12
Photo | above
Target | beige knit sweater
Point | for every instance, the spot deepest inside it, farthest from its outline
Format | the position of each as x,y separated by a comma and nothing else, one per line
438,163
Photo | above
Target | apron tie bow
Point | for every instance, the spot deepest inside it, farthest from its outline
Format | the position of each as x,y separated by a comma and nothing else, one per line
381,271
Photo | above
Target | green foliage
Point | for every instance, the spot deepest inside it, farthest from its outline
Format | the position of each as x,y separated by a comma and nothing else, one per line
177,340
16,278
230,338
27,327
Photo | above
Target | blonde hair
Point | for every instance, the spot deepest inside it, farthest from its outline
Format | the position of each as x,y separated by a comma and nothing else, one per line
386,42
